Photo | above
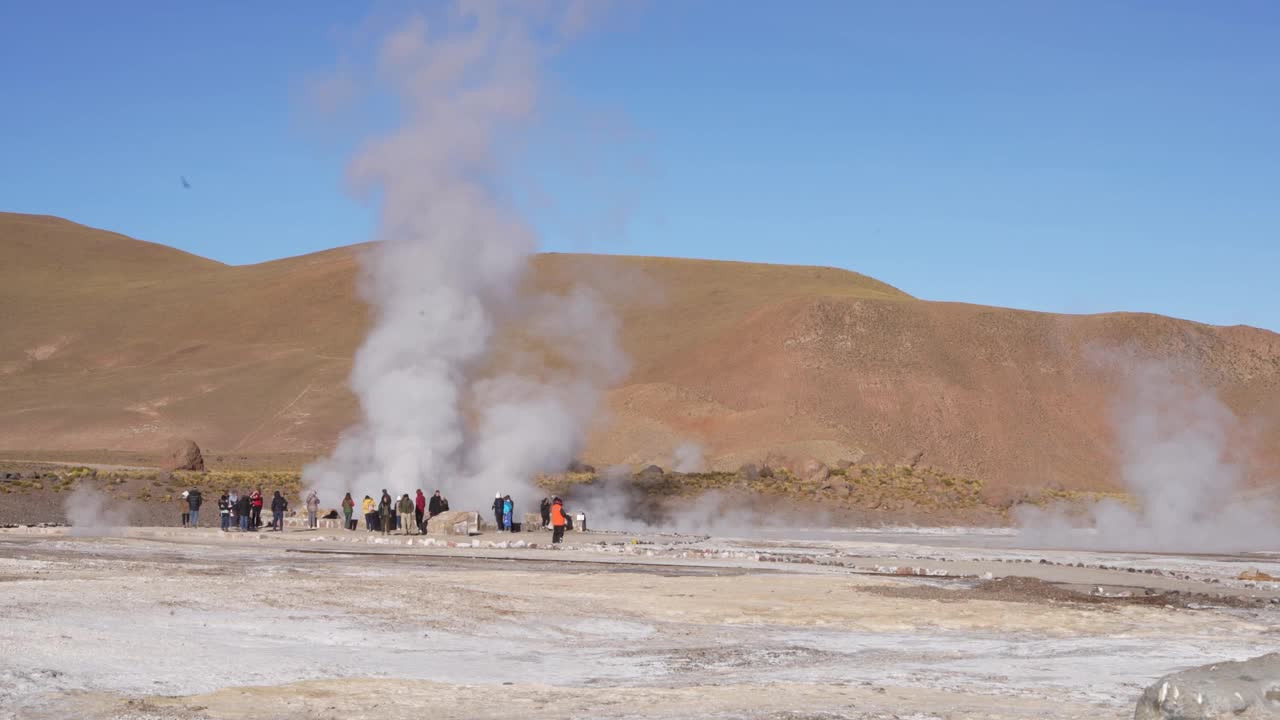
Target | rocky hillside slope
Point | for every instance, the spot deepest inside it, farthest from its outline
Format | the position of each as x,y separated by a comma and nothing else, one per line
111,342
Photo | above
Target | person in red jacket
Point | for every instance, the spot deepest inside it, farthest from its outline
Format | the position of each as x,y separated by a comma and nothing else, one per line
557,521
256,500
419,509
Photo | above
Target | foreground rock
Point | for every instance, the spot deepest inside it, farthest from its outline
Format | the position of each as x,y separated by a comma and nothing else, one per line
1244,690
184,455
456,522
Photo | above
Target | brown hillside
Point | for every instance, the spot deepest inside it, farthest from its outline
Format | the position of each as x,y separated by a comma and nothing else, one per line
109,342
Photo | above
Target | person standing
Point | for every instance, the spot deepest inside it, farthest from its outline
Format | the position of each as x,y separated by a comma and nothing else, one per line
233,500
368,507
557,521
256,521
444,504
434,508
186,510
245,506
420,510
385,513
313,510
278,506
497,510
224,511
508,509
544,508
348,507
194,501
407,525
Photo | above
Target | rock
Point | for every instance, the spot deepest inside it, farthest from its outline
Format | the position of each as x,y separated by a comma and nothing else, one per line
532,522
1257,576
915,459
577,466
653,472
835,484
749,473
1246,690
766,471
782,462
814,471
455,522
184,455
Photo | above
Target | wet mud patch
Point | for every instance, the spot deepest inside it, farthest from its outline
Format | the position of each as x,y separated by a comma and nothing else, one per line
1038,592
733,657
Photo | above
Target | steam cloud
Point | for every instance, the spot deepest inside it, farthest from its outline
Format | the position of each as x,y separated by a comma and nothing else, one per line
447,274
91,513
688,458
1179,444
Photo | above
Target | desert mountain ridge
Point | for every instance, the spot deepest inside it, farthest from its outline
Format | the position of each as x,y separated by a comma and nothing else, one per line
111,342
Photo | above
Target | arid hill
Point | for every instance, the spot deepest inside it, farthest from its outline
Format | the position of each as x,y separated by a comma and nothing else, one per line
111,342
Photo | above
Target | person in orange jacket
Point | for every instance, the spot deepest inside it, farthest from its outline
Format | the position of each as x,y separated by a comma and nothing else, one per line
557,521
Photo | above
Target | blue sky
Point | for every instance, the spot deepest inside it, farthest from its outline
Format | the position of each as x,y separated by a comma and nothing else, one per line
1060,156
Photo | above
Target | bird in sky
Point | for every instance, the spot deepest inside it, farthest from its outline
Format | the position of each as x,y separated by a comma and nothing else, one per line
185,185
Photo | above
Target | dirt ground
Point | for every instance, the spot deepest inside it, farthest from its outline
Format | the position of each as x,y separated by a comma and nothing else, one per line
163,623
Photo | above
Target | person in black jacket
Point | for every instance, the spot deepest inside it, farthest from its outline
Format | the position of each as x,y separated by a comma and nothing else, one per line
545,509
224,511
497,511
278,506
194,501
436,505
386,514
245,507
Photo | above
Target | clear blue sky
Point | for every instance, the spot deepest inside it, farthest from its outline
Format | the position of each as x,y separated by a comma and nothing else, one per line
1066,156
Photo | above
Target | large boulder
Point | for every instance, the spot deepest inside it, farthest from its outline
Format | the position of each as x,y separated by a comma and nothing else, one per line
814,471
184,455
651,473
455,522
1246,690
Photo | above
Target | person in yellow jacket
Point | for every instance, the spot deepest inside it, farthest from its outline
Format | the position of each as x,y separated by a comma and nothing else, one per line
369,507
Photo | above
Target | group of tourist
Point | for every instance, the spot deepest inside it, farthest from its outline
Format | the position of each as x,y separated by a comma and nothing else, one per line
406,515
552,512
387,515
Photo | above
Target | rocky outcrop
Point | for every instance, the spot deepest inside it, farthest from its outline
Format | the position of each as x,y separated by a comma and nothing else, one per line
184,455
1248,690
456,522
651,473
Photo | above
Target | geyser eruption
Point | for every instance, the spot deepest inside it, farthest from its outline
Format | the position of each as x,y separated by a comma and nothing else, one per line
92,513
1183,461
448,272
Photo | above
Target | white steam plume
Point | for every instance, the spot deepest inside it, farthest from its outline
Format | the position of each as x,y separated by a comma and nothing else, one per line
448,271
1179,444
92,513
688,458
